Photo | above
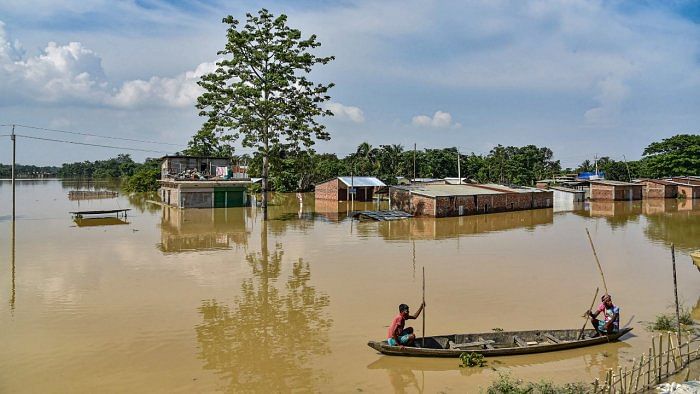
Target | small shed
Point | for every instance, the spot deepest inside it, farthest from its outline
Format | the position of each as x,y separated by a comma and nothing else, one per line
659,188
343,188
565,197
615,191
688,190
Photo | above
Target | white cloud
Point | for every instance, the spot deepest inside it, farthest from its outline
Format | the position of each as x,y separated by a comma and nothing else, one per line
72,73
341,111
612,95
180,91
439,120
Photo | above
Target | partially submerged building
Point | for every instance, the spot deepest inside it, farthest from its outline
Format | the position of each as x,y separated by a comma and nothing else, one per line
459,200
346,188
203,182
659,188
615,191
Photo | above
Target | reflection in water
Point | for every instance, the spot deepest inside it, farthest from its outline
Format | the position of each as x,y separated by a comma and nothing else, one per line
266,340
12,259
94,222
681,228
616,213
430,228
193,229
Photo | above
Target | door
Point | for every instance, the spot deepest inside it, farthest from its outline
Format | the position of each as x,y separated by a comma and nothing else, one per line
219,199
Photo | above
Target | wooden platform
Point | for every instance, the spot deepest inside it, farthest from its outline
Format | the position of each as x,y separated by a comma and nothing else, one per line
381,216
118,212
74,195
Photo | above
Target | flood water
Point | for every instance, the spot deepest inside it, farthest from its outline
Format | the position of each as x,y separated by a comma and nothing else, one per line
215,300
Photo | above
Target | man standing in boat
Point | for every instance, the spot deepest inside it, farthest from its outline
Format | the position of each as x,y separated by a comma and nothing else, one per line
611,317
397,334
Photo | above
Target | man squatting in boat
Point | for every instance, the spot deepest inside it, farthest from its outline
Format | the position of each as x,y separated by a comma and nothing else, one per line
611,317
398,335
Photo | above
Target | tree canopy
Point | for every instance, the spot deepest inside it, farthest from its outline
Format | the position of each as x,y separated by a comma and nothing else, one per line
260,93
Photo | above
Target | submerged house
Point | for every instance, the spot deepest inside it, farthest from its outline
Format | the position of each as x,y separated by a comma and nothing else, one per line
615,191
659,188
342,188
203,182
459,200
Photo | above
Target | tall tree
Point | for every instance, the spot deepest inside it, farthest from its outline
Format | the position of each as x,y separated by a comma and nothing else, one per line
677,155
260,92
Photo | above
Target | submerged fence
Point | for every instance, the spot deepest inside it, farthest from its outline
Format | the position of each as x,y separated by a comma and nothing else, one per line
665,358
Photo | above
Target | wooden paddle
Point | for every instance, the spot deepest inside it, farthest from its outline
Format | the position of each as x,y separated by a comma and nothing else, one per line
580,334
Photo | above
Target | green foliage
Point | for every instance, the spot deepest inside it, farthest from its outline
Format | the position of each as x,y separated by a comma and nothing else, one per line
260,94
668,322
506,384
145,178
116,167
207,143
677,155
28,171
471,360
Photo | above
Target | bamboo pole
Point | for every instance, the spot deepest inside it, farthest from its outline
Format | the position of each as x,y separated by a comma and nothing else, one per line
668,353
600,269
612,381
675,357
423,307
580,334
624,380
639,372
651,356
595,386
634,368
661,353
675,289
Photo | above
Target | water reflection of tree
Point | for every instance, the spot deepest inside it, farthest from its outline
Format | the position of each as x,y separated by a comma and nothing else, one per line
679,228
266,339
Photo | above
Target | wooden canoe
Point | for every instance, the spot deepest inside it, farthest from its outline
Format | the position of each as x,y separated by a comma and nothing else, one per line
696,258
503,343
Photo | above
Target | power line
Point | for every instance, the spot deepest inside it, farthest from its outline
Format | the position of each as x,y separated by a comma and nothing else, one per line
93,135
88,144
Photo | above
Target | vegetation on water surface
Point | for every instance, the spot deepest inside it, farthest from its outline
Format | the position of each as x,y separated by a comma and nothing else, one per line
470,360
668,322
506,384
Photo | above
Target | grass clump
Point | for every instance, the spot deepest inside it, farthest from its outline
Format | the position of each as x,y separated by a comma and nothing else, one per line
506,384
471,360
668,322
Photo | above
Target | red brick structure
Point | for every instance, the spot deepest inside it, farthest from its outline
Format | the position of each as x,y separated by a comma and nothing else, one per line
339,189
461,200
658,188
615,191
693,180
688,191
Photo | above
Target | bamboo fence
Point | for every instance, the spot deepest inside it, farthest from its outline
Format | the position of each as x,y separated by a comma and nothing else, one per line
90,194
665,357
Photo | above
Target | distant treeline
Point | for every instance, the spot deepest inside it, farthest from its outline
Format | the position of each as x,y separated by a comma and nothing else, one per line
678,155
299,171
28,171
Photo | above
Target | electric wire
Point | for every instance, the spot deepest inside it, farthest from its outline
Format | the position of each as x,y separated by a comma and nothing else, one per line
90,134
89,144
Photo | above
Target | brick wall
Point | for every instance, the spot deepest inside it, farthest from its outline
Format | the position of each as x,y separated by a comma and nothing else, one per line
412,203
689,191
330,191
602,192
198,199
657,190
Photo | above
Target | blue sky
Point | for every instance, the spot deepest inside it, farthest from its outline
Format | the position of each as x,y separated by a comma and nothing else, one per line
582,77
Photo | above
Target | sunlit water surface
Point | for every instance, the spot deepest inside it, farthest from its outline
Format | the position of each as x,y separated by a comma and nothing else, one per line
216,300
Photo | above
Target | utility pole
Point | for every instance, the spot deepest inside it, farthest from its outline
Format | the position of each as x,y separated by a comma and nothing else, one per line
595,158
459,169
14,142
414,162
629,174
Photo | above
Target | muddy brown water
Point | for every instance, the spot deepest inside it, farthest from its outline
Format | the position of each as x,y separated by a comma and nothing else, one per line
216,300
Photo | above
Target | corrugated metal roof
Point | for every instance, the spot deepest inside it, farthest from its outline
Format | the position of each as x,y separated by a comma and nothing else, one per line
566,189
615,183
361,181
448,190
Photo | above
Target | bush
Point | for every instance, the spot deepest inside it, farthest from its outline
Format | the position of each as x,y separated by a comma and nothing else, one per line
145,178
470,360
506,384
